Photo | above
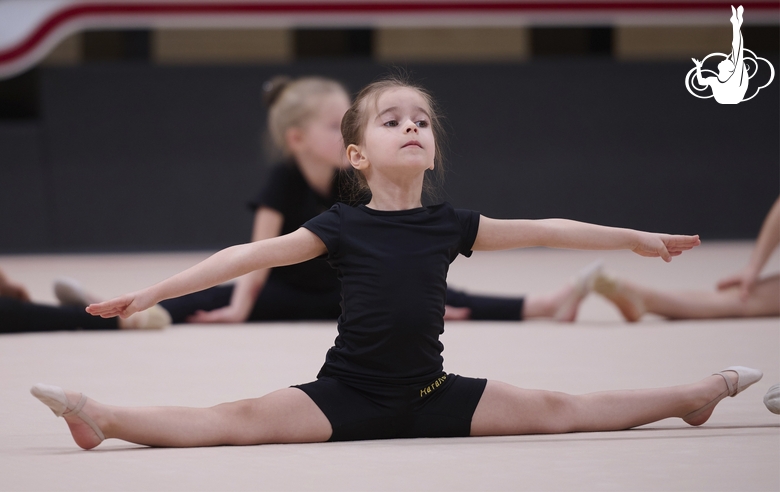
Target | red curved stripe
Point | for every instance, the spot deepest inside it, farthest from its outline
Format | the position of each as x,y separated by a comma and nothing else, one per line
72,12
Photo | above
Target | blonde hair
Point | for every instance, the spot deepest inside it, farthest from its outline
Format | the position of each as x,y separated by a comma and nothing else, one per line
292,102
354,123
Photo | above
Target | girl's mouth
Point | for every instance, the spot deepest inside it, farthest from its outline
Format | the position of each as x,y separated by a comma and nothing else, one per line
412,142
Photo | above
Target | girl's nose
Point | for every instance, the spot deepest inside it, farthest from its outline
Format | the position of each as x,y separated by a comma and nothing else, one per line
411,127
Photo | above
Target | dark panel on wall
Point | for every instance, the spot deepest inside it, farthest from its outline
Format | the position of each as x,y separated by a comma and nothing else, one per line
330,43
148,158
25,204
19,97
140,157
571,41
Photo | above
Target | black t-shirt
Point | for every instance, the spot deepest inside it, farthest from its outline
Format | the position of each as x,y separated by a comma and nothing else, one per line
288,193
393,271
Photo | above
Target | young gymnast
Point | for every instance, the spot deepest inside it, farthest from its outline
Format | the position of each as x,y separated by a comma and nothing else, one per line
304,118
743,295
384,378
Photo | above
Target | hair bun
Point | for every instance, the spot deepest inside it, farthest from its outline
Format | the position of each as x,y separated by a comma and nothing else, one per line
273,88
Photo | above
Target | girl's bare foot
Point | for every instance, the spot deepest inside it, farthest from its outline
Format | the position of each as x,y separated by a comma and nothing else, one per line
82,415
566,303
570,297
623,295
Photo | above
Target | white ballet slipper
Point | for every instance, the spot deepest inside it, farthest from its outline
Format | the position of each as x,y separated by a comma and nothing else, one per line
154,318
772,399
583,285
54,398
746,377
71,293
627,301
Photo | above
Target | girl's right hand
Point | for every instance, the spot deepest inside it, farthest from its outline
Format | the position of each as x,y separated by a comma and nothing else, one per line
744,281
122,306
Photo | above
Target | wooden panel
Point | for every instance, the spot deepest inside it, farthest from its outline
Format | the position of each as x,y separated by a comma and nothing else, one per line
493,44
670,43
221,45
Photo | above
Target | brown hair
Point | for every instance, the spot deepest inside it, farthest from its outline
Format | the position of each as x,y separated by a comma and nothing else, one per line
291,102
355,119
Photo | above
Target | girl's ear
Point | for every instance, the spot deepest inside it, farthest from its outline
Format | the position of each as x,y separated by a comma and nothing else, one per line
356,157
293,137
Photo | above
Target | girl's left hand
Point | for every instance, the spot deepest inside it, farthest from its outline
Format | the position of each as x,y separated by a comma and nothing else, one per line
122,306
664,245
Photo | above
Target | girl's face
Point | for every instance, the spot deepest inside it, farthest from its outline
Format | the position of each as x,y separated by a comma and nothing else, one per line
320,137
398,136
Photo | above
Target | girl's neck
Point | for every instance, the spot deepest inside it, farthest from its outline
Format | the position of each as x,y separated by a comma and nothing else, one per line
318,176
391,195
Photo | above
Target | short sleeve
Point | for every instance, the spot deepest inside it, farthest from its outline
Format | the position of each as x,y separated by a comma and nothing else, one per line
327,227
469,225
275,192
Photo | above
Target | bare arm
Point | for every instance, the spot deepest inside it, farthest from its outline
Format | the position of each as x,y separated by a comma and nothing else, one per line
496,234
224,265
268,223
768,240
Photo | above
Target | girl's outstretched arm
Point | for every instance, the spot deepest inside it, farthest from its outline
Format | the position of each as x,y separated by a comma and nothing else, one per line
497,234
232,262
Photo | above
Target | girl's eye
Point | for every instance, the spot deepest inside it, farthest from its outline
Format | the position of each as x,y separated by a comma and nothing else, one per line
422,124
391,123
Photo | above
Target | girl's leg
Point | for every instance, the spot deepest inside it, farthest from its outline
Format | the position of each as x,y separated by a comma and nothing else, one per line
284,416
634,300
561,305
462,306
508,410
17,316
550,305
564,304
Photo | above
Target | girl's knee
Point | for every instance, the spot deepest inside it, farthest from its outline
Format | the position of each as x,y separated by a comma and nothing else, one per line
562,409
236,418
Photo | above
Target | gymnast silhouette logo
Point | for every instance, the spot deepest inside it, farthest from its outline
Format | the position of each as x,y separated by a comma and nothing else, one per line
730,84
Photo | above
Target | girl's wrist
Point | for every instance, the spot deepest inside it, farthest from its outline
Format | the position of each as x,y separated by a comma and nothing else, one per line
634,238
149,297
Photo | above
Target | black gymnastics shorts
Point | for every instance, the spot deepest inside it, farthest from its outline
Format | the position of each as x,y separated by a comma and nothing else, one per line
441,408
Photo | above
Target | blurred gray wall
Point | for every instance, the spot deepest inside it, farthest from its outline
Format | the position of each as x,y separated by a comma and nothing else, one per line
137,157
